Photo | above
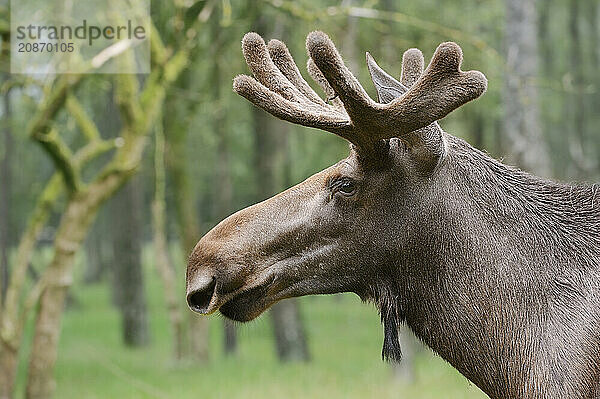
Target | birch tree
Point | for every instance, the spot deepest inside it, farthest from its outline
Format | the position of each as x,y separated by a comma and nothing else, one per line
524,138
139,106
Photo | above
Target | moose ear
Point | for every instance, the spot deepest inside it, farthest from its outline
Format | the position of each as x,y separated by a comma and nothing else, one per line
387,87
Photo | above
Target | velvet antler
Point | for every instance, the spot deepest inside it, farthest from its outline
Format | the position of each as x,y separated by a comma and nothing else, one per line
279,89
427,141
272,91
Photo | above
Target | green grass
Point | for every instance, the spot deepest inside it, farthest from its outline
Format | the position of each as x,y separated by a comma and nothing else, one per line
344,337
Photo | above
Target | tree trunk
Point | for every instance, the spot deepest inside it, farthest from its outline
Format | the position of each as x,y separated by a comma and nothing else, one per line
163,262
96,256
577,101
128,279
522,129
545,42
5,193
40,384
13,315
198,331
167,275
83,204
99,248
81,209
593,14
72,230
93,264
405,370
290,337
9,358
188,219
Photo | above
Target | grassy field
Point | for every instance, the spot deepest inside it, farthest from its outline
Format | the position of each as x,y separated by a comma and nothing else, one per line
345,342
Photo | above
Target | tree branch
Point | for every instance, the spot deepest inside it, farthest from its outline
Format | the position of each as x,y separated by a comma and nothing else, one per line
52,104
158,52
11,326
61,156
4,23
154,92
9,329
85,123
126,97
40,130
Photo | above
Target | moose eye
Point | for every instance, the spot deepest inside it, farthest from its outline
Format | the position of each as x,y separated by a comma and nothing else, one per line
345,186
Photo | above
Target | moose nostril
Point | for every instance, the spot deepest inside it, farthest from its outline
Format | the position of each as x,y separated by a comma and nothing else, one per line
199,300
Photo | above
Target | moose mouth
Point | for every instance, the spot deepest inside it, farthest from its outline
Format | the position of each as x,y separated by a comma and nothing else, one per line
247,305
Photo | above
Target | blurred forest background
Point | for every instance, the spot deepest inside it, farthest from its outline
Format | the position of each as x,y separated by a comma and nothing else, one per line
107,182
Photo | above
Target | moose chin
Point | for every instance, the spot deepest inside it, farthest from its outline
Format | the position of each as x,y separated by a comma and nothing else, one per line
497,270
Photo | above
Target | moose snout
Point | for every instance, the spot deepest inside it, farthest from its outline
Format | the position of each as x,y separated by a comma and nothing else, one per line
221,264
202,276
200,294
213,275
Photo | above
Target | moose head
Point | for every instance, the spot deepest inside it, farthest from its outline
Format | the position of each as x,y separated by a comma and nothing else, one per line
485,263
341,229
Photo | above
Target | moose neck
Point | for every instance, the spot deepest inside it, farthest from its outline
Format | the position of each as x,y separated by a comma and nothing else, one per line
482,272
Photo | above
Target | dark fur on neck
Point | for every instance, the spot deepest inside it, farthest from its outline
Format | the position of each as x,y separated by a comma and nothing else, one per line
391,317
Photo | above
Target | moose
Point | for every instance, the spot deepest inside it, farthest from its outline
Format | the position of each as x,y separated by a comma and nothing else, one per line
496,270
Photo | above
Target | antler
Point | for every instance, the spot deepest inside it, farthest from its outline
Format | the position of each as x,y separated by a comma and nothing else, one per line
429,139
279,89
273,91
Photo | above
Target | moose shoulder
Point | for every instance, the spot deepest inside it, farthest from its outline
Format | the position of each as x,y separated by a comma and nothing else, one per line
496,270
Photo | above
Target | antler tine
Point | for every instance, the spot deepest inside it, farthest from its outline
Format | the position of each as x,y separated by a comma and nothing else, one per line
429,139
442,88
318,77
327,59
272,91
413,64
283,60
264,69
291,111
